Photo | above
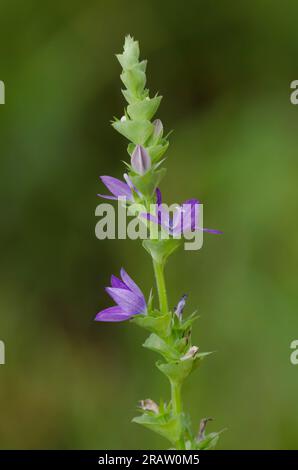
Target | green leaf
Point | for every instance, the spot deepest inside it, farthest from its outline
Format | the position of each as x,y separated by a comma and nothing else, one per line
131,52
131,98
186,323
130,148
145,109
181,345
148,183
166,426
160,249
157,151
136,131
134,79
157,344
178,371
157,323
209,442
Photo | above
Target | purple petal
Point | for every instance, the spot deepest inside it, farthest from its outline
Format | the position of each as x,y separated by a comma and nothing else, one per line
114,198
190,215
158,196
116,282
211,230
112,314
164,218
131,284
177,221
116,187
127,300
150,217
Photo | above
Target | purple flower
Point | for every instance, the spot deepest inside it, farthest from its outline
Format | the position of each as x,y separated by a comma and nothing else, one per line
117,187
140,160
184,218
158,196
128,296
120,189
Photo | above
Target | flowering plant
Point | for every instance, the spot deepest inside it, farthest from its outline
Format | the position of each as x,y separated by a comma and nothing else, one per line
170,331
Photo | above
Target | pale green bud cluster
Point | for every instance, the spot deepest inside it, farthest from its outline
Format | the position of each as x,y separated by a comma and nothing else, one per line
136,123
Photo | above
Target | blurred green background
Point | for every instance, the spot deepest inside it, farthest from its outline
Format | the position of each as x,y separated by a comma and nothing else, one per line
224,69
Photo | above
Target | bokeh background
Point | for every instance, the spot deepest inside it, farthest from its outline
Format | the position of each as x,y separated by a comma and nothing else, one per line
224,69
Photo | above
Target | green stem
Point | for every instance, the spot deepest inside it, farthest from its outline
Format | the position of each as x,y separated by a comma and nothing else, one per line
163,305
176,398
161,286
177,410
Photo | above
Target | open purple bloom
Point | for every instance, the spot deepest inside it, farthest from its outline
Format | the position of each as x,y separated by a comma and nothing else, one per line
117,187
127,295
184,218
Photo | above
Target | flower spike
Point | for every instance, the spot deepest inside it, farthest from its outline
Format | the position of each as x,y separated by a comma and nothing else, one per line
170,330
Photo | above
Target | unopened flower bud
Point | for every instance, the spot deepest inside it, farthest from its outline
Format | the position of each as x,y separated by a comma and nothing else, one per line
149,405
190,353
140,160
180,306
202,427
158,128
